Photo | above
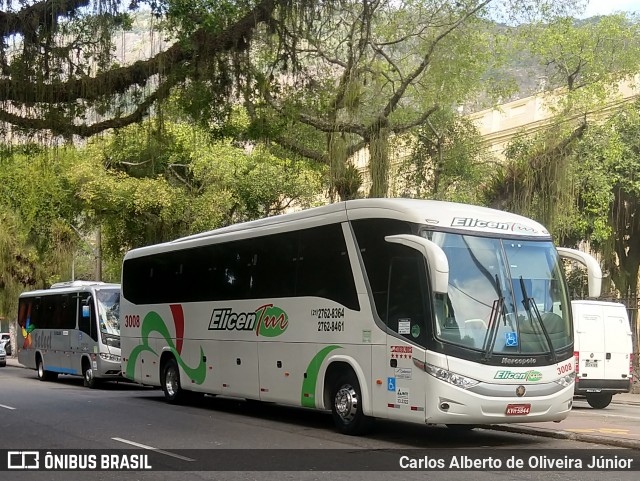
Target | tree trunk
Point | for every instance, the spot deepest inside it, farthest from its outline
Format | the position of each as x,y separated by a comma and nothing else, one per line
379,161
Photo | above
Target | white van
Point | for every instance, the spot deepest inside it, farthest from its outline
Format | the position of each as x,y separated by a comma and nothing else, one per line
603,350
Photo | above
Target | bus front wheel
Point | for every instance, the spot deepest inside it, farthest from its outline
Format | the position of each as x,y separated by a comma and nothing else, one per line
90,380
346,406
43,374
173,392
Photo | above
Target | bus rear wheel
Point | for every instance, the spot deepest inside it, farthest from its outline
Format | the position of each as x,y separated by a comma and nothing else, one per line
173,392
346,406
600,400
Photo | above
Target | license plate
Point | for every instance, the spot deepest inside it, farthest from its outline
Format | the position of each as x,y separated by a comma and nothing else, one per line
589,363
518,409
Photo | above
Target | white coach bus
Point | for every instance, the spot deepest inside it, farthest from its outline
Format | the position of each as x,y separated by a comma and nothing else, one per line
72,328
421,311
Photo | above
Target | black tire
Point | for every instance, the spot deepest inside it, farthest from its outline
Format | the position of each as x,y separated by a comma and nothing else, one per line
43,374
90,380
170,379
346,406
600,400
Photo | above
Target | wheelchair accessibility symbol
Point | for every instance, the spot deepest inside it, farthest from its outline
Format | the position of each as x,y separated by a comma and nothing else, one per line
511,339
391,384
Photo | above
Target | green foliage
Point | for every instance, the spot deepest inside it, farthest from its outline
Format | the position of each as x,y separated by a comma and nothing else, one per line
577,176
34,187
375,70
180,181
448,161
18,267
588,59
610,193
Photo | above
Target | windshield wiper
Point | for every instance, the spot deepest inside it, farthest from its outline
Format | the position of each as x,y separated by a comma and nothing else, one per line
496,312
528,302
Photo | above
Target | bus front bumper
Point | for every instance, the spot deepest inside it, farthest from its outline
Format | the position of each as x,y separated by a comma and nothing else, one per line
453,405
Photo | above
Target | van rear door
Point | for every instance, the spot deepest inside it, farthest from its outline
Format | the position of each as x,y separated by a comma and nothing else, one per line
618,344
591,343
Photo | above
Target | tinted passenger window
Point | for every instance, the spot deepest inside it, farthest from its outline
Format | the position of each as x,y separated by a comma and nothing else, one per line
311,262
29,311
324,269
274,266
53,317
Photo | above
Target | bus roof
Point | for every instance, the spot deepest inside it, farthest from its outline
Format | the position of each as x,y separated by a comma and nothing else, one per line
435,215
70,286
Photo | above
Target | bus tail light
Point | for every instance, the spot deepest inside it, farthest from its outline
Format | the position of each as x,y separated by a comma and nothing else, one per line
576,356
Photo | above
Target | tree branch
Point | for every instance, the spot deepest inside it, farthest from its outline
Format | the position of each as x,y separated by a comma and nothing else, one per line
28,19
301,150
393,101
67,128
201,44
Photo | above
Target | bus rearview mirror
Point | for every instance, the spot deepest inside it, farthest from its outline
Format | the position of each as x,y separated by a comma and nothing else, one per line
594,273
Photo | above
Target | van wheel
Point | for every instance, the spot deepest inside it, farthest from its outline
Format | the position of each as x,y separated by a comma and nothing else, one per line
346,406
173,392
600,400
87,373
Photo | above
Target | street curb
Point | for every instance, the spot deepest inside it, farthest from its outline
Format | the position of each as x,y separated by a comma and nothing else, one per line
583,437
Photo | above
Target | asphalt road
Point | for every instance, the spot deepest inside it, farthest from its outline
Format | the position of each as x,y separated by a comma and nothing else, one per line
64,415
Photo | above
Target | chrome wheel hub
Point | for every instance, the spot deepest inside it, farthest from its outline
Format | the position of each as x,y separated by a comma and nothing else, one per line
346,403
171,382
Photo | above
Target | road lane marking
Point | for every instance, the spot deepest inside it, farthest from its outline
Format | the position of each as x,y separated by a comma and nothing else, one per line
151,448
7,407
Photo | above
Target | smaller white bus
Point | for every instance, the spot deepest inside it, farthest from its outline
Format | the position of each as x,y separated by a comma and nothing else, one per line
72,328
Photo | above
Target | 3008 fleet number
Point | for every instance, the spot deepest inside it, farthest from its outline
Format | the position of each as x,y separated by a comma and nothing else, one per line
565,368
132,321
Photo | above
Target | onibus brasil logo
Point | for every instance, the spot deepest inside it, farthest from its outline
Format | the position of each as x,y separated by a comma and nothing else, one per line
267,320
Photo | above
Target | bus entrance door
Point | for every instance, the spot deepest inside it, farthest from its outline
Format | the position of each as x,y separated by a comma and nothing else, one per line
406,326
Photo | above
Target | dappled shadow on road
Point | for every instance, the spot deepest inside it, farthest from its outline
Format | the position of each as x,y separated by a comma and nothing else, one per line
77,381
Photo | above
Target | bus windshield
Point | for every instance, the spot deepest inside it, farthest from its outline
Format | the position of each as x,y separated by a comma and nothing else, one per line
504,297
109,311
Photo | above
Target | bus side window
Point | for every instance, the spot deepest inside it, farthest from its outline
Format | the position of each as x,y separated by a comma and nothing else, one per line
406,311
67,307
86,316
324,267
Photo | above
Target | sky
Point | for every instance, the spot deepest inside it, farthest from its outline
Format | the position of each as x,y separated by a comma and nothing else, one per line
606,7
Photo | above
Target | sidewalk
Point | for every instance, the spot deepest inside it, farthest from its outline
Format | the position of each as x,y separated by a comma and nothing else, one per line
551,430
13,361
627,398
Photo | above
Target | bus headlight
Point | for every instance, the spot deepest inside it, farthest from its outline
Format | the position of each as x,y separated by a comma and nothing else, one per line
109,357
458,380
567,380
